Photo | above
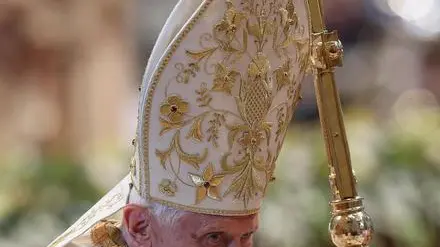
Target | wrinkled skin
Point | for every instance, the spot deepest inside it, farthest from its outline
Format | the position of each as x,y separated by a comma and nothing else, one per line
142,229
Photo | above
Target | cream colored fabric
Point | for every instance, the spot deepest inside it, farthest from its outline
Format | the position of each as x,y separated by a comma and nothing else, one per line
215,110
110,204
218,93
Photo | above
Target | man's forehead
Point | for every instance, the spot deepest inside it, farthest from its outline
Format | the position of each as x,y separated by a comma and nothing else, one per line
207,222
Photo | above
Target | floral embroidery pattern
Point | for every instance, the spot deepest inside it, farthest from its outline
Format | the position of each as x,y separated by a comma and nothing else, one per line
260,25
193,160
207,184
174,108
168,187
283,75
224,79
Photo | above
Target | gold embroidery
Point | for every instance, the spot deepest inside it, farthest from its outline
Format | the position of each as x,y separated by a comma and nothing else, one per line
254,101
207,184
233,48
282,123
255,94
190,70
283,75
83,223
198,56
167,125
203,98
196,130
214,126
174,108
224,79
191,159
225,30
107,234
168,187
186,72
133,165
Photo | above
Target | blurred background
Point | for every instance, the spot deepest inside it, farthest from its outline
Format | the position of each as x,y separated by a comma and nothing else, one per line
69,77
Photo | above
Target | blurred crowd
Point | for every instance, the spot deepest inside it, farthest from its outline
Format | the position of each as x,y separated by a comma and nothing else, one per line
69,77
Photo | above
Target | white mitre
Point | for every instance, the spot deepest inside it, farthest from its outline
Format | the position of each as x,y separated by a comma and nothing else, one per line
217,96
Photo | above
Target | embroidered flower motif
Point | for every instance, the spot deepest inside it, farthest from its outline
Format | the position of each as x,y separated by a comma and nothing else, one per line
259,66
174,108
251,139
231,21
168,187
283,74
207,184
224,79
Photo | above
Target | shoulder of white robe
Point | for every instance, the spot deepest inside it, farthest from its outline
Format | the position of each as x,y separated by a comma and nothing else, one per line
110,204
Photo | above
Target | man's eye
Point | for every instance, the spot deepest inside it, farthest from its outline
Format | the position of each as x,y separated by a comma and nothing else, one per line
214,239
247,236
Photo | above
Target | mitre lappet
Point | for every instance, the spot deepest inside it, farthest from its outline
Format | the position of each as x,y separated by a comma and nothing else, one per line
218,93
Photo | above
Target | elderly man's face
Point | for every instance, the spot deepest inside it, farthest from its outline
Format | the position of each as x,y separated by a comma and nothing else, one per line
190,230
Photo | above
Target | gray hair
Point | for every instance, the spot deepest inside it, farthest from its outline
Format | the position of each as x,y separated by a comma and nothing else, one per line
166,215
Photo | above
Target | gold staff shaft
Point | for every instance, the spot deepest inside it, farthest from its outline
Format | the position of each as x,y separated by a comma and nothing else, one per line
350,225
329,105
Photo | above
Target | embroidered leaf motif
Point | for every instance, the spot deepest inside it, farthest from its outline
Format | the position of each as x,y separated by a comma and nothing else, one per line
245,40
168,187
167,126
282,126
214,126
233,132
229,169
163,157
201,54
195,131
283,74
224,79
203,96
196,179
244,184
191,159
186,72
266,127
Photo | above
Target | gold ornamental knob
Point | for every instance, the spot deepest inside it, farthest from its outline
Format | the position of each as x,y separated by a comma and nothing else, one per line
350,224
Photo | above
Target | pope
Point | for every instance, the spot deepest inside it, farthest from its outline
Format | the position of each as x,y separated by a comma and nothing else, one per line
218,93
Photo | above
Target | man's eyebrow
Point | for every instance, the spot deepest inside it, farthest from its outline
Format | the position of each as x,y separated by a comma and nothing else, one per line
251,231
247,233
207,228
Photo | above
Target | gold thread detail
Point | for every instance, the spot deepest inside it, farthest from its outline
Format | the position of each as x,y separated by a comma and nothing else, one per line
168,187
254,114
106,233
207,184
81,224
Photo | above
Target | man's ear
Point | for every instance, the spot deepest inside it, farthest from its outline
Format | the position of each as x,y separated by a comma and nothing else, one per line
137,221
